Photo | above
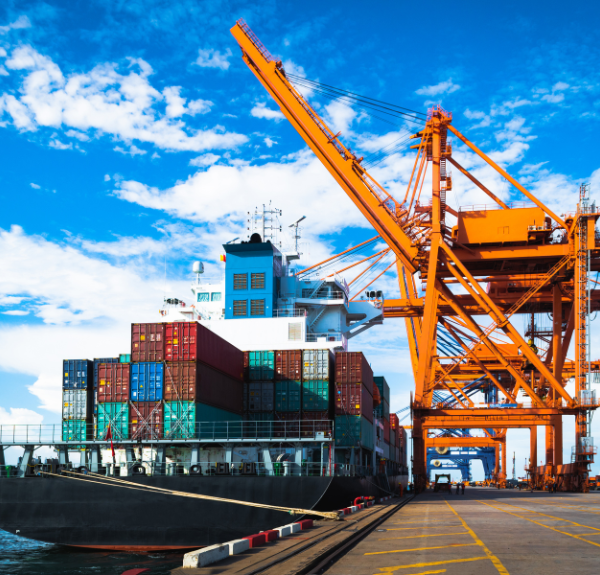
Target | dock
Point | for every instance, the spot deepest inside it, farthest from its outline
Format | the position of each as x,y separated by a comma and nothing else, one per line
483,532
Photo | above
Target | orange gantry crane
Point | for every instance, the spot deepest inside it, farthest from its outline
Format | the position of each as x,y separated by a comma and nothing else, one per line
495,262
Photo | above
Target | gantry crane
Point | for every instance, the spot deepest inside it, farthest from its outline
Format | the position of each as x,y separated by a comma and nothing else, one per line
496,261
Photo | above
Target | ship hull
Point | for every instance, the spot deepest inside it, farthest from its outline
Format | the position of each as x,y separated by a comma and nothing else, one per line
87,514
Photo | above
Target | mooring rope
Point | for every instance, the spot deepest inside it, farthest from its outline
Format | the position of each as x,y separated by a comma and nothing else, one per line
114,482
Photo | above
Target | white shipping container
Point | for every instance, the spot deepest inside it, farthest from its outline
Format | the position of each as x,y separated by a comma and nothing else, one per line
315,364
74,404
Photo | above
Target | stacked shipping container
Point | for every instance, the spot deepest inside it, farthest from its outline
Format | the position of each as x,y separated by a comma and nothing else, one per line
353,400
77,399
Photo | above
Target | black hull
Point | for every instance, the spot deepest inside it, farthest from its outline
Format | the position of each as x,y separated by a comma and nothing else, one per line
81,513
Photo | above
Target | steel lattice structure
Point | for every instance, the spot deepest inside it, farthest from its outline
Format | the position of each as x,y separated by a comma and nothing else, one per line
478,276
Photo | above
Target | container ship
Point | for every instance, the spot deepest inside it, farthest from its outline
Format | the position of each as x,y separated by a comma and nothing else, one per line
249,393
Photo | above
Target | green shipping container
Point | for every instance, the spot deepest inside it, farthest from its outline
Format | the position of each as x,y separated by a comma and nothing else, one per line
115,414
315,395
261,365
74,430
382,411
353,431
384,388
288,395
125,358
186,419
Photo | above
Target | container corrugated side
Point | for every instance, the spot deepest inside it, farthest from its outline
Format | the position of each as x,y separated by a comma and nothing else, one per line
215,423
261,365
384,388
147,381
382,410
180,420
147,342
316,364
386,450
113,382
393,437
76,404
219,389
261,396
353,431
146,420
288,395
75,430
190,341
78,373
288,364
117,416
353,399
353,367
386,430
316,395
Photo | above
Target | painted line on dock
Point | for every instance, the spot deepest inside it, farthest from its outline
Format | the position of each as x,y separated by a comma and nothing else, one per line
430,564
497,563
421,536
579,537
421,549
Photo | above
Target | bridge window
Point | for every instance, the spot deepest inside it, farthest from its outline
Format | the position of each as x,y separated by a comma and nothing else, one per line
203,297
215,296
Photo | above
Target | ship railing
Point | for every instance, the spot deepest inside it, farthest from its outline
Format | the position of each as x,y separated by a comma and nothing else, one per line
180,431
152,468
325,336
282,312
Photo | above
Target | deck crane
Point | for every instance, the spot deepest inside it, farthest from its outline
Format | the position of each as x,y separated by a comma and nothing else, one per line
505,259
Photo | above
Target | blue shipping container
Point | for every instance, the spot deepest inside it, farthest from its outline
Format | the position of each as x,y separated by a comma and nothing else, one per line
77,373
146,381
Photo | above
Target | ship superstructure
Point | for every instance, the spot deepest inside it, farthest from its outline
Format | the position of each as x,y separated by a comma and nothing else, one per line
262,302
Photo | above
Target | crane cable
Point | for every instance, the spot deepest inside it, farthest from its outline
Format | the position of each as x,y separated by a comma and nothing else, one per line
114,482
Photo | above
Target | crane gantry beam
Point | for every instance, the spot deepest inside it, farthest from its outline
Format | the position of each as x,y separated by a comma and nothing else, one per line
506,260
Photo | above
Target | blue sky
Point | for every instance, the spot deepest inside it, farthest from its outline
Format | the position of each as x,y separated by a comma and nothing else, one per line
133,136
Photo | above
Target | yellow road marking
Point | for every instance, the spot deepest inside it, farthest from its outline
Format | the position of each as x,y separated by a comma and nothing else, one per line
497,563
550,516
418,536
429,572
390,569
579,537
411,522
421,549
425,527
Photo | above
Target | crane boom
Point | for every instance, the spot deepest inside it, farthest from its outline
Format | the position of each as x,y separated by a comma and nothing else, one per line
382,211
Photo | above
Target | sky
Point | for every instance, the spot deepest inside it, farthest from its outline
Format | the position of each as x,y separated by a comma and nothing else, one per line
135,140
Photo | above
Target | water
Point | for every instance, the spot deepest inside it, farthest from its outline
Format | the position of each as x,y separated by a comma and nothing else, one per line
19,556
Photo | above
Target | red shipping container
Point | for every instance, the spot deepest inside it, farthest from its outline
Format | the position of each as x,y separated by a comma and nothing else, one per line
287,424
288,364
246,365
113,382
147,342
353,367
394,421
146,420
386,430
189,381
190,341
315,421
353,399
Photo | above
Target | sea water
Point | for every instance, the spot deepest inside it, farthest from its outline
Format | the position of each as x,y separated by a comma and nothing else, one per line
20,556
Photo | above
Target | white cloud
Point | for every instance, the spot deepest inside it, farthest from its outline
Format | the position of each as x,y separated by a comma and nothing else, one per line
35,186
446,87
261,111
339,116
16,312
57,144
19,416
133,151
213,59
205,160
79,135
269,142
3,71
104,100
21,22
106,178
